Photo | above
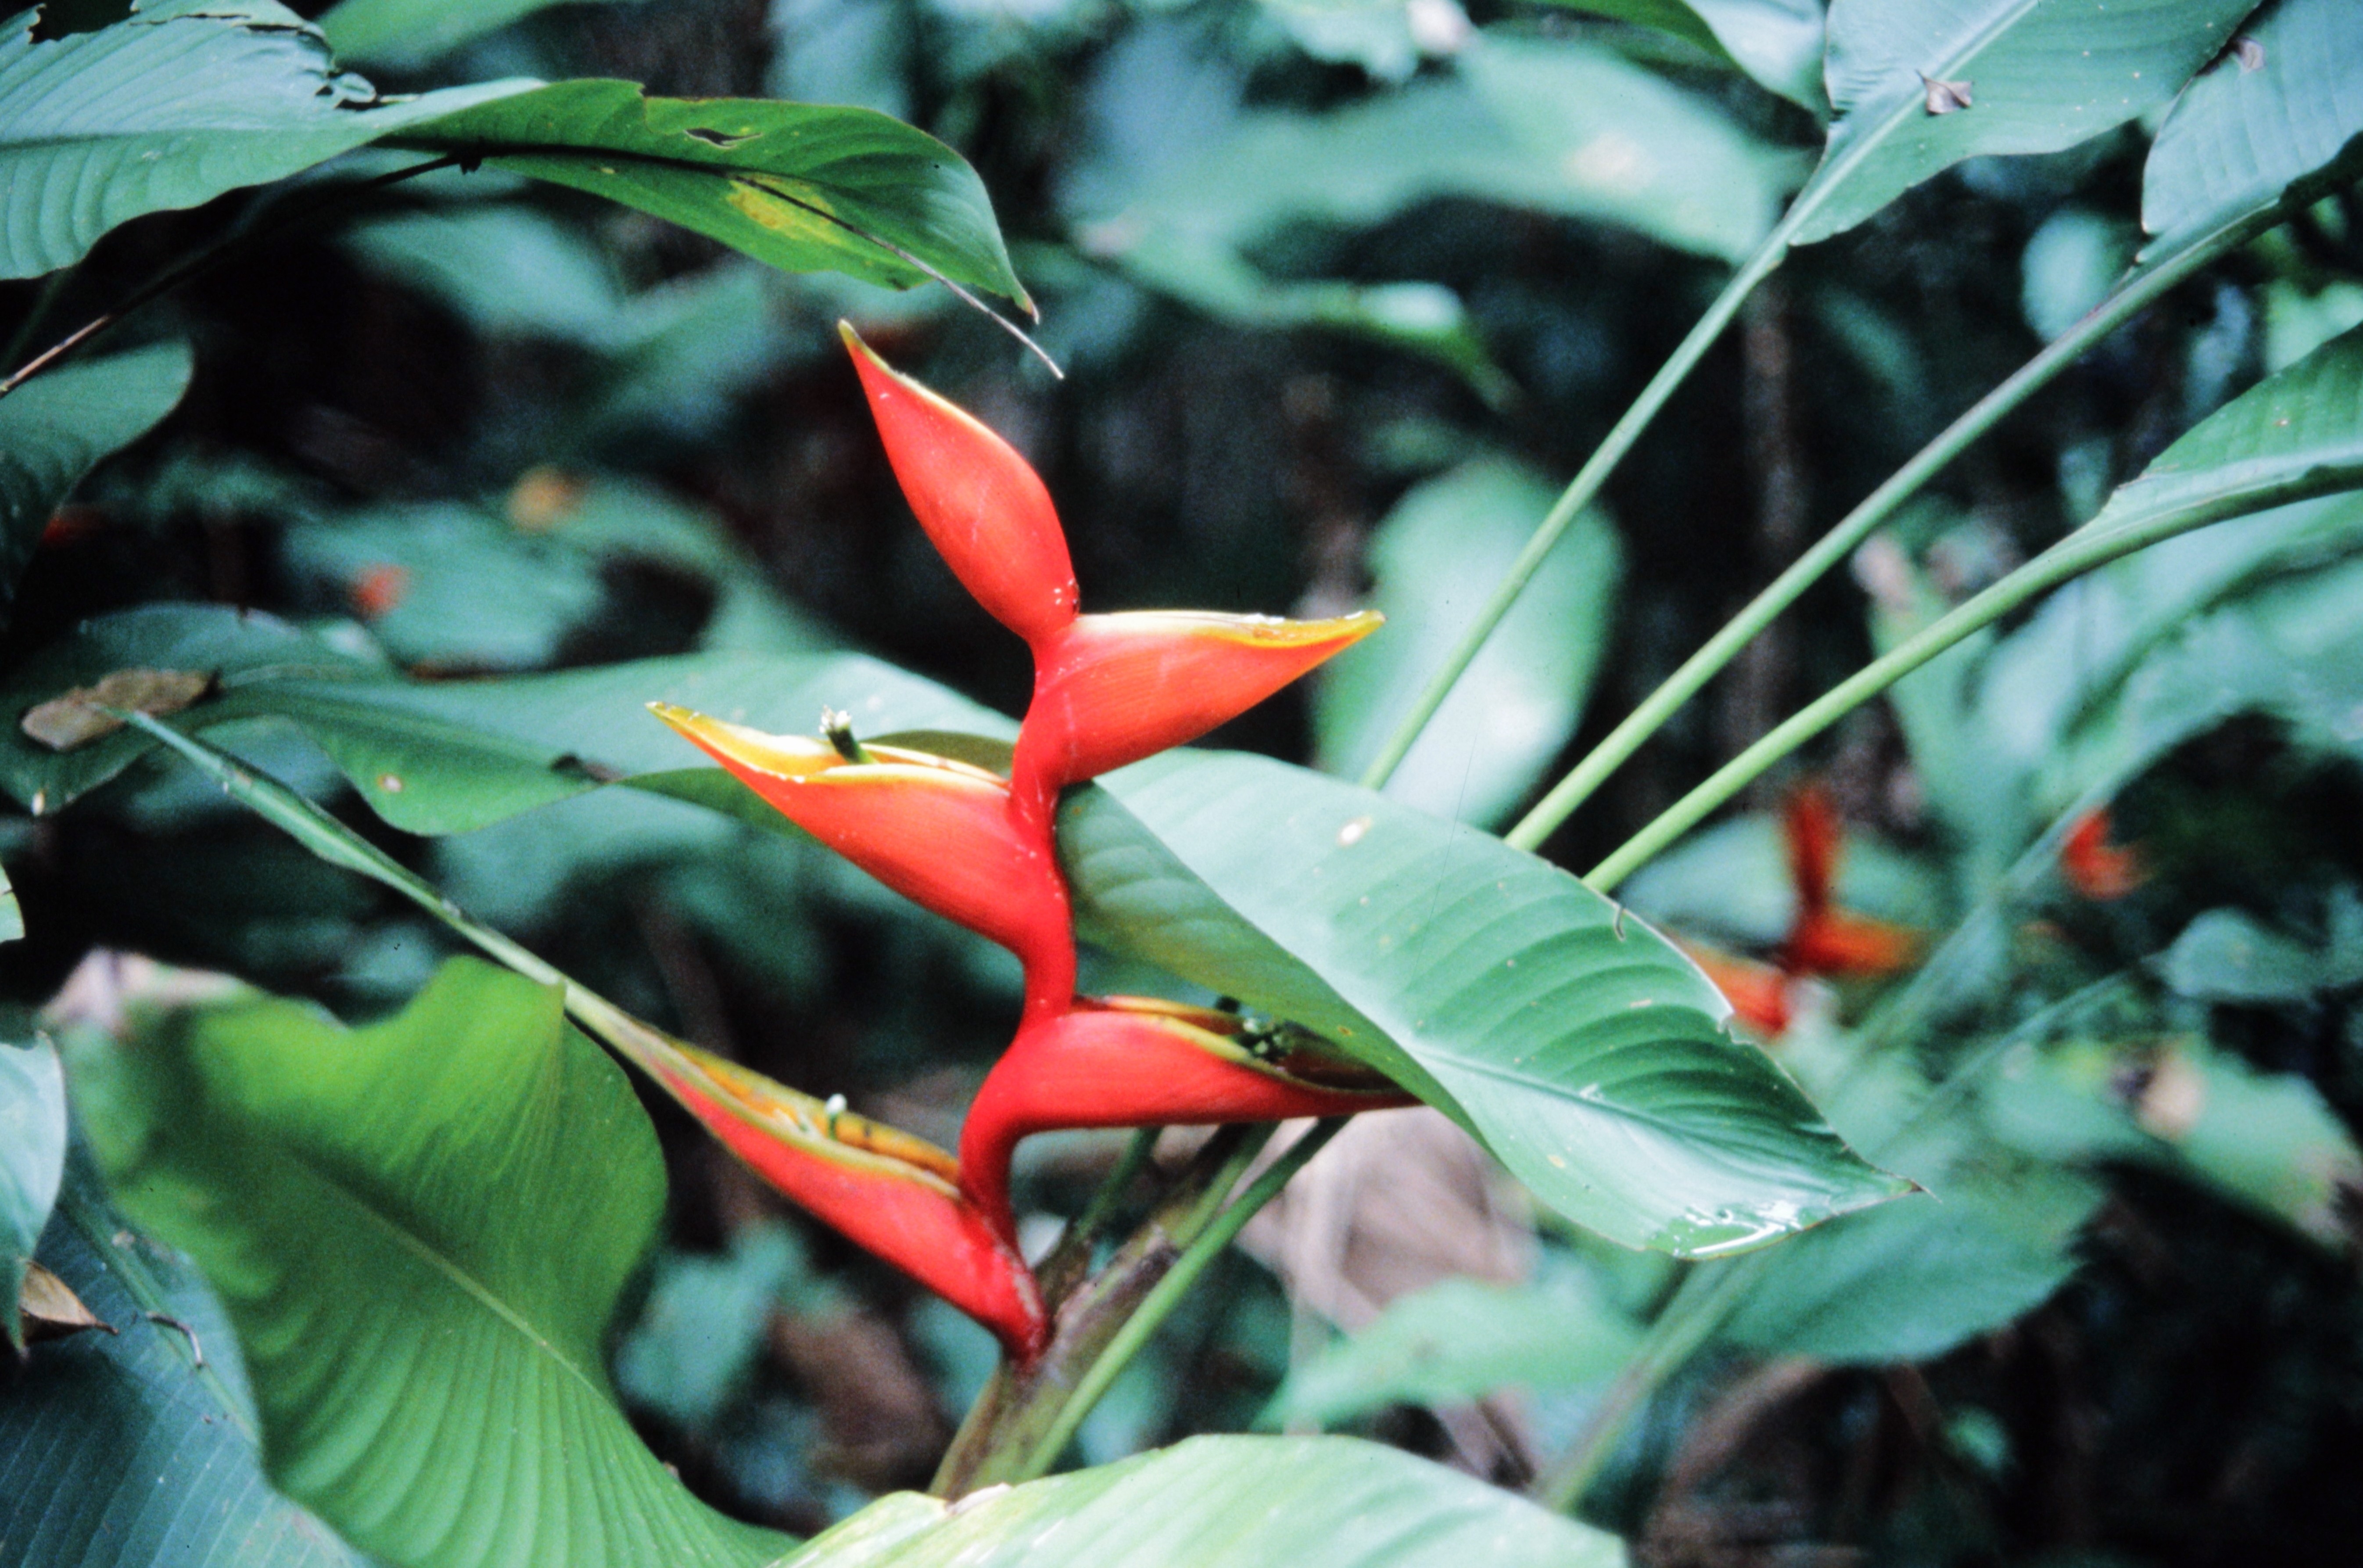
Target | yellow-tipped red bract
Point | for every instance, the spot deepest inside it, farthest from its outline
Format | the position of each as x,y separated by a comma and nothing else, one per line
882,1188
938,831
1139,1061
1112,689
982,504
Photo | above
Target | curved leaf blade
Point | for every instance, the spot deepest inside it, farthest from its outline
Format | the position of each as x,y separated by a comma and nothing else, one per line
1223,1503
803,187
418,1229
2038,76
32,1160
1587,1052
55,427
410,33
118,1450
2266,117
181,101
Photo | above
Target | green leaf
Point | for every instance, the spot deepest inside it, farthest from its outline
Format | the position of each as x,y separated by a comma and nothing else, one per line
120,1451
1437,558
805,188
1222,1502
446,756
32,1158
54,429
1457,1341
170,108
2039,75
2283,110
1587,1052
411,33
1777,42
418,1230
1909,1281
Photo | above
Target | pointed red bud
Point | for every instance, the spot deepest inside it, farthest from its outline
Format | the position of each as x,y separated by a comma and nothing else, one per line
1835,942
982,504
1133,1061
889,1192
937,831
1809,827
1112,689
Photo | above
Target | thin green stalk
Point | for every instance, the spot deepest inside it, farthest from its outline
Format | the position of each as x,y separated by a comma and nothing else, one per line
1577,495
1159,1303
1726,645
2068,558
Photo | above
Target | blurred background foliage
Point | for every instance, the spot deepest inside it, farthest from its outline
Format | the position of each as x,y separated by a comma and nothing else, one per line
1343,289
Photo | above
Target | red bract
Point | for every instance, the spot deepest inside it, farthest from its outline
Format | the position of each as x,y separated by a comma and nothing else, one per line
1758,992
885,1190
1112,689
937,831
981,503
1137,1061
2094,867
1823,939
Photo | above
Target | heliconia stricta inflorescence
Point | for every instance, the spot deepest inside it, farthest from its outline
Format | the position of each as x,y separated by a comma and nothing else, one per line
979,849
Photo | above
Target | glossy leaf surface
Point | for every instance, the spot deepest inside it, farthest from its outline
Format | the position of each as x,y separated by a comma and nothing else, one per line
411,32
119,1450
2039,75
418,1230
2259,120
803,187
183,101
55,427
1775,42
1587,1051
1223,1503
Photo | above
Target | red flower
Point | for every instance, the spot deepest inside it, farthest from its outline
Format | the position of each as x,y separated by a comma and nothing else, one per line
1823,939
1137,1061
2094,867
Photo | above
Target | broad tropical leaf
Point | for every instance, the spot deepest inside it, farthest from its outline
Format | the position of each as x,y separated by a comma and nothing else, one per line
444,757
1223,1503
57,426
130,1449
32,1158
1437,557
170,108
1587,1052
2285,106
1919,86
805,187
418,1230
1777,42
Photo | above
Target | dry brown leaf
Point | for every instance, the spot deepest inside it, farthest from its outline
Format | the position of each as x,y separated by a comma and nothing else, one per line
74,719
48,1309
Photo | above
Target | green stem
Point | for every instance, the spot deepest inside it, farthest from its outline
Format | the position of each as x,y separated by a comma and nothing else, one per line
2068,558
1577,495
1645,720
1159,1304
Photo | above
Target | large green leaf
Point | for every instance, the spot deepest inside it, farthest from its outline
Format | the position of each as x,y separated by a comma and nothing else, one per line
1223,1503
1437,557
183,101
1458,1341
57,426
32,1158
805,187
1777,42
2040,75
2285,106
1587,1052
126,1449
444,757
418,1230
